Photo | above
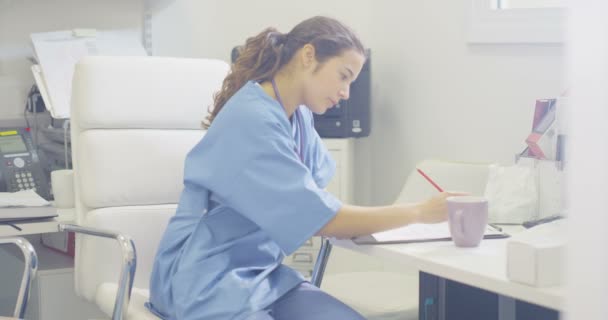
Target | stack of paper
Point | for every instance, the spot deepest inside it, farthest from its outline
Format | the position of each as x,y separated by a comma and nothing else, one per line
24,205
58,52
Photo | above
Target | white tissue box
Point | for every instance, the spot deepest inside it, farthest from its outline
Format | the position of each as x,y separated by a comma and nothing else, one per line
536,256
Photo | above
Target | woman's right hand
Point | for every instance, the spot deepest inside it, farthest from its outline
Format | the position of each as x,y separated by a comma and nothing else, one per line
435,209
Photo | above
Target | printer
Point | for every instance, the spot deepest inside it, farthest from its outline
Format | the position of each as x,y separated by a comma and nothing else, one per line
349,118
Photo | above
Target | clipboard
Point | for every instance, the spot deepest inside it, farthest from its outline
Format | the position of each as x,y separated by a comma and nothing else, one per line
439,232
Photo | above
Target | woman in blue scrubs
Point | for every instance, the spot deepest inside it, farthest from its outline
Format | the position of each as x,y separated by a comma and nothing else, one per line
254,186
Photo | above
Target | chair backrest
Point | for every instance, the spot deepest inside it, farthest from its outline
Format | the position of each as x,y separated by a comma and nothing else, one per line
449,175
133,121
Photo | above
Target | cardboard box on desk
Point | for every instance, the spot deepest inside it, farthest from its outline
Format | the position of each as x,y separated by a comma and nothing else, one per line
536,256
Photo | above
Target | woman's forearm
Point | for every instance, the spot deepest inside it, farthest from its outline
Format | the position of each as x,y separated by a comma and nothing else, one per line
352,221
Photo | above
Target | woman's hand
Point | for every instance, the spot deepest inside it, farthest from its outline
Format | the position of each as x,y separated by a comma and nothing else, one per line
435,210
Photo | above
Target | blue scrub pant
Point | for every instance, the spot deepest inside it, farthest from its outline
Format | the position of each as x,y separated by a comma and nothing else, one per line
307,302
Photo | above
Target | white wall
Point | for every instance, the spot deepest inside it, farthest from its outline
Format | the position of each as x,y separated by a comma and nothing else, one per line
19,18
434,96
212,28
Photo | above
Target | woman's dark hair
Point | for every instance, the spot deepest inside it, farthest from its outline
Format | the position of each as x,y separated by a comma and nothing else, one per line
263,55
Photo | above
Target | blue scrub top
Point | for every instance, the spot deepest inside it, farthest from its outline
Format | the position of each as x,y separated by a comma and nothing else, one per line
248,201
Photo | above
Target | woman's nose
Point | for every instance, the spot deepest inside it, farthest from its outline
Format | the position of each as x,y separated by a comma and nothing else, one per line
344,93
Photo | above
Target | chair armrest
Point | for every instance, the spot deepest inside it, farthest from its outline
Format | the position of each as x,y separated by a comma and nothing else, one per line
129,264
30,263
322,259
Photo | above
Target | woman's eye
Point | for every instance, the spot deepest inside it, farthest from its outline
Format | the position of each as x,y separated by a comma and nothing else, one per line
343,77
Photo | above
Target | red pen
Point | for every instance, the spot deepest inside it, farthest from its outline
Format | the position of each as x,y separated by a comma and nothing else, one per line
430,180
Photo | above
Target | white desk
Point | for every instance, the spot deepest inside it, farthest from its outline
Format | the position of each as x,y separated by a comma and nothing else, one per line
39,226
484,267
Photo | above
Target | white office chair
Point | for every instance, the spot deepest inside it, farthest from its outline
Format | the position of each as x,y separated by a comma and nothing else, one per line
30,266
133,121
389,291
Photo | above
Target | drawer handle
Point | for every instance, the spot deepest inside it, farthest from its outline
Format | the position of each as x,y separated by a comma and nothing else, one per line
302,257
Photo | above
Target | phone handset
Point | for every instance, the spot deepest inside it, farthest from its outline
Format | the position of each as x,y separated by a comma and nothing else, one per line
3,187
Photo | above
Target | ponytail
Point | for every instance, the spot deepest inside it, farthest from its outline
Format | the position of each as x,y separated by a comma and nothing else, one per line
258,60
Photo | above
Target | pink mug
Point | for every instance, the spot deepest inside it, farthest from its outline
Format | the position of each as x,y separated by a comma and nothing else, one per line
468,218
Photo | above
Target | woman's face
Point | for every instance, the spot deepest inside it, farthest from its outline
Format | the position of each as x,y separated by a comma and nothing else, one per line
328,83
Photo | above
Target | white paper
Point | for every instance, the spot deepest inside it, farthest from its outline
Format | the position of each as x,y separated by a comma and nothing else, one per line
58,52
39,78
23,198
418,231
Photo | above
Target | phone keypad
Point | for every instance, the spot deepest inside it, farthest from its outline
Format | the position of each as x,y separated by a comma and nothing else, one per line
23,181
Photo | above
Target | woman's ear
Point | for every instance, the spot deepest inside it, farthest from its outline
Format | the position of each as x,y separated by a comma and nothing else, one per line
307,56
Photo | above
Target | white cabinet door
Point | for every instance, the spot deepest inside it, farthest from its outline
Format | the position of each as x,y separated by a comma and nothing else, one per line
342,151
334,186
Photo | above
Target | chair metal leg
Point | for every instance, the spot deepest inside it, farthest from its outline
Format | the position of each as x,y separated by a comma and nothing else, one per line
320,265
129,264
30,266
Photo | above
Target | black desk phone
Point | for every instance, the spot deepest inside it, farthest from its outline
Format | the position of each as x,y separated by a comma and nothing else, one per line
20,165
